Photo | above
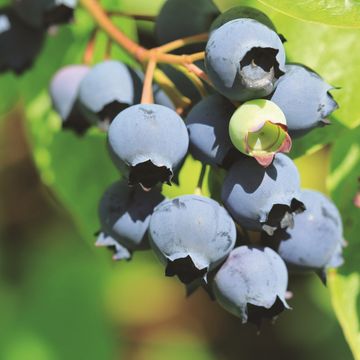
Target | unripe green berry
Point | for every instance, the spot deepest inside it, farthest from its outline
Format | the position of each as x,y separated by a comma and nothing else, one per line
258,128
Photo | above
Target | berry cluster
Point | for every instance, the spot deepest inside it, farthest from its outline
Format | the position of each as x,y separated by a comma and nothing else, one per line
23,26
255,103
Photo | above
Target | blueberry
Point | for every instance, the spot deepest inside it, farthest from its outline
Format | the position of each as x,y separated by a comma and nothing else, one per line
258,128
263,198
242,12
191,234
182,18
161,98
45,13
64,88
252,283
107,89
304,98
120,251
19,43
244,59
315,242
152,139
125,214
207,123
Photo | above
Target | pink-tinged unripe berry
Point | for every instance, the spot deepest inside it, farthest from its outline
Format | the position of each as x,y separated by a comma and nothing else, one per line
258,129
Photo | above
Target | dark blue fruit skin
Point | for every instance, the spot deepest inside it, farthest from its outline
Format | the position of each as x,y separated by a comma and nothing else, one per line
242,12
146,132
125,213
194,226
107,82
251,275
208,123
64,88
181,18
315,242
44,13
232,44
304,98
250,191
19,43
161,98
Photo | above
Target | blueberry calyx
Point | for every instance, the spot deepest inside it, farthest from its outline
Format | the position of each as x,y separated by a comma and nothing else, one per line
281,216
276,133
185,269
108,113
76,122
256,314
147,174
259,68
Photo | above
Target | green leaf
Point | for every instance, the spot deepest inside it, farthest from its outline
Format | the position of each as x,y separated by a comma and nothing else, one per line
141,7
8,91
345,290
341,13
316,139
345,283
188,180
332,53
78,169
57,310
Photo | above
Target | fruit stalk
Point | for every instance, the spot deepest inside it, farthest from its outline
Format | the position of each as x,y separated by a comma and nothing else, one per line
176,44
90,46
137,51
130,15
147,92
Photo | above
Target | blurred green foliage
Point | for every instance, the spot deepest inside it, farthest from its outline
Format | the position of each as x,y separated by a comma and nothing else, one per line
336,12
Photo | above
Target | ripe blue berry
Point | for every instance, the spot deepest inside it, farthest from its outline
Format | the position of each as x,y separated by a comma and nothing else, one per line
244,59
263,198
304,98
64,88
208,123
181,18
120,252
161,98
152,139
242,12
44,13
191,234
19,43
125,214
315,242
106,90
252,283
